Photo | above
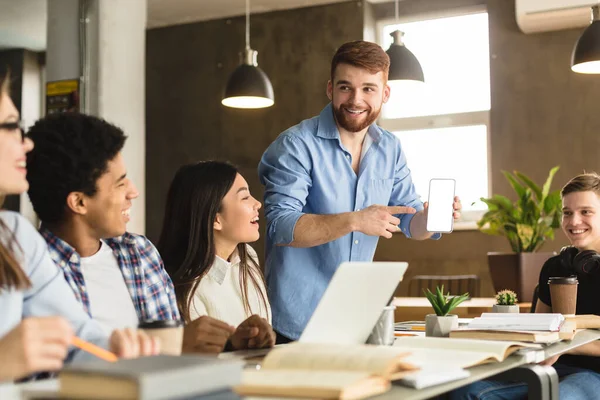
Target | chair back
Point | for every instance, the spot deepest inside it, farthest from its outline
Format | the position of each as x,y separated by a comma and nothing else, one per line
534,299
453,284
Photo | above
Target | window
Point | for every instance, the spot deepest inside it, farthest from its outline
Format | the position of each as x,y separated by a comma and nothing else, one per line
443,125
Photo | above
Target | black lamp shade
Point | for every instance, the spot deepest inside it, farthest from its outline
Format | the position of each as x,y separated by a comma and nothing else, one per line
248,87
403,64
586,54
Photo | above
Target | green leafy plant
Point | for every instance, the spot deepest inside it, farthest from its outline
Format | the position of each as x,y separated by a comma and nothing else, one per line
443,304
528,222
506,298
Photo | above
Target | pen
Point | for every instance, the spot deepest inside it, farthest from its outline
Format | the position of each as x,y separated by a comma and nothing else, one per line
93,349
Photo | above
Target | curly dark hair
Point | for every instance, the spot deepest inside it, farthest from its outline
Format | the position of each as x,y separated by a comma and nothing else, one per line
71,152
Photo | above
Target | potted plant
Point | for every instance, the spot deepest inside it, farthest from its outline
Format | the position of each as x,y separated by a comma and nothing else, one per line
527,224
441,323
506,302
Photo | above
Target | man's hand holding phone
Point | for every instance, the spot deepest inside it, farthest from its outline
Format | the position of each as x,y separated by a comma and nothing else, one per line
456,207
443,207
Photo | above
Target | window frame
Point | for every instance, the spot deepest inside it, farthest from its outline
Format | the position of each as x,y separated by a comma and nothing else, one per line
468,220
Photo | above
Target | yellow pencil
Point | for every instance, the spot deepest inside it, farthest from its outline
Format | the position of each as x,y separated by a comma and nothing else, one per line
93,349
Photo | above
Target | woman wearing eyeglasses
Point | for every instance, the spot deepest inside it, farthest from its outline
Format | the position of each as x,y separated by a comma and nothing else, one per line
39,314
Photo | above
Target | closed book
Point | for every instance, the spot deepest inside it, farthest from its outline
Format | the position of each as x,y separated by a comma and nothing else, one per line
149,378
588,321
514,336
518,322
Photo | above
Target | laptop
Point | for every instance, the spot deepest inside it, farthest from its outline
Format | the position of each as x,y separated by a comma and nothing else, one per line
350,306
353,302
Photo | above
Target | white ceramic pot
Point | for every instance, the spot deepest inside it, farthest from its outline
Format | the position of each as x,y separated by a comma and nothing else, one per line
505,309
440,326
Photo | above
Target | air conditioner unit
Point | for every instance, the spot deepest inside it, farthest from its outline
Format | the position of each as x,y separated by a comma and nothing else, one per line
553,15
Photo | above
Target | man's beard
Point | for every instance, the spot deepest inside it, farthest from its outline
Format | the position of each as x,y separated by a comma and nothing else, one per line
351,125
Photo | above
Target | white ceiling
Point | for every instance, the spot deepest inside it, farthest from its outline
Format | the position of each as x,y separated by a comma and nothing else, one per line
174,12
23,22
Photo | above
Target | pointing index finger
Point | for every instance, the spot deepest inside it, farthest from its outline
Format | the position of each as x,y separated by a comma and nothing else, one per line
400,210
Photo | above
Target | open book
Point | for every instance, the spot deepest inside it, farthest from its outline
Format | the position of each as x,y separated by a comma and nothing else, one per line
460,353
326,371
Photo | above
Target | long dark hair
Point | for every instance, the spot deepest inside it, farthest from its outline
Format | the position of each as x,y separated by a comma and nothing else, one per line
11,273
187,244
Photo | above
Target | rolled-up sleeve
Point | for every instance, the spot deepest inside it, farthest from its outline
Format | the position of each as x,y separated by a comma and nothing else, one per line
284,172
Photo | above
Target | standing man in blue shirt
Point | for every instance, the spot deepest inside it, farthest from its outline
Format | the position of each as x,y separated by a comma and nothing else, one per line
334,184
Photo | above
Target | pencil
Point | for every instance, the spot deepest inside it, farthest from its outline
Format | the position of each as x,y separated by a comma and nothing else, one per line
411,328
93,349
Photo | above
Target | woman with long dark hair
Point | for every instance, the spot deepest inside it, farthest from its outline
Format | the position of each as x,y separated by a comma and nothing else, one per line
210,218
38,313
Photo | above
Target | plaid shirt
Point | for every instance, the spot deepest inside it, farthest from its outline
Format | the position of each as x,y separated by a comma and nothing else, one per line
149,285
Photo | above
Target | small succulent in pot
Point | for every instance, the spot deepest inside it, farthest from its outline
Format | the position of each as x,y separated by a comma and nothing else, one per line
506,297
506,302
443,304
441,323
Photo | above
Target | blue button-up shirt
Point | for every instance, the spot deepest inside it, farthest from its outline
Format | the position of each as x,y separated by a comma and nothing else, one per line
307,170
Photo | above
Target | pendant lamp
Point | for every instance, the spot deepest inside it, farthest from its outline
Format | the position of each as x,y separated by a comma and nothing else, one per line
586,54
248,86
404,66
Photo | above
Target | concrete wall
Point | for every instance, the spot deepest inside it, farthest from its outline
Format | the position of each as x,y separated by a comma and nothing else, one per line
188,66
542,113
113,72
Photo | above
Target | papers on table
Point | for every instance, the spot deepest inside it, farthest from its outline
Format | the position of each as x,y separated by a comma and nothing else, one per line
432,375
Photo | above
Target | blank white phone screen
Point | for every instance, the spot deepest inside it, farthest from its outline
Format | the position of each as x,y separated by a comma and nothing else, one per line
441,199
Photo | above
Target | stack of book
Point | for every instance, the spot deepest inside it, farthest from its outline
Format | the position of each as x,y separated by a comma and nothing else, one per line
535,328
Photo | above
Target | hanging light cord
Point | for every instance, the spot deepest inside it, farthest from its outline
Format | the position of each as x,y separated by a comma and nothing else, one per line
396,7
247,24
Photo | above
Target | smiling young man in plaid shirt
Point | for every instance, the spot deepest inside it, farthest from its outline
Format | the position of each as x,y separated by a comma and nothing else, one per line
80,190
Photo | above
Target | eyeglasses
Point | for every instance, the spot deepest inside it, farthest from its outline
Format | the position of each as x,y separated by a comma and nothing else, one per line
14,127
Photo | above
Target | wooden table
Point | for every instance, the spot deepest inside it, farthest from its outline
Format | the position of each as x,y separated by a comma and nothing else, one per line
415,308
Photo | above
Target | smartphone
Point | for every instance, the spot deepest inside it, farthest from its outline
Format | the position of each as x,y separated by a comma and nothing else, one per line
441,198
